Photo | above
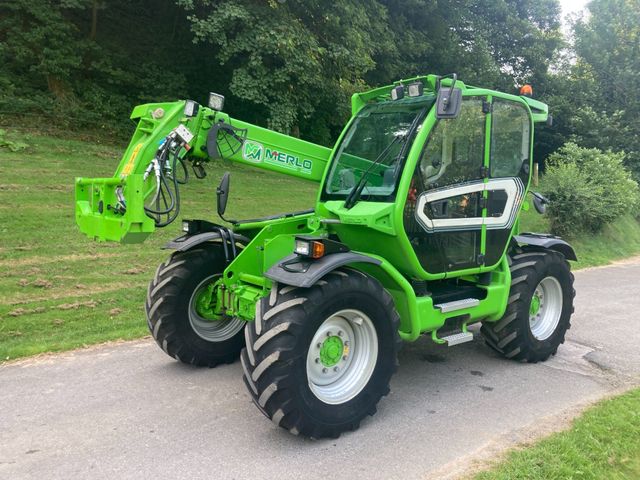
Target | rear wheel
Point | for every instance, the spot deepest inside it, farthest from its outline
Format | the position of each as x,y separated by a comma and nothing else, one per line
181,311
539,309
318,360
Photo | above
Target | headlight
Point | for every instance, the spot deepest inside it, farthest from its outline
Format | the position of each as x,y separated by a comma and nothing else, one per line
303,247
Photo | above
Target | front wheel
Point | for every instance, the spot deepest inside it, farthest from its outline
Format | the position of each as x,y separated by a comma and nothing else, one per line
318,360
181,311
539,309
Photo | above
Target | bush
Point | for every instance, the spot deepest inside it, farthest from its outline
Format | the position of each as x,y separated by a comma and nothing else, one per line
588,189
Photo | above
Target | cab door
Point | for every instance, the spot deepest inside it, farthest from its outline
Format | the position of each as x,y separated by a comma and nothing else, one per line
443,216
508,174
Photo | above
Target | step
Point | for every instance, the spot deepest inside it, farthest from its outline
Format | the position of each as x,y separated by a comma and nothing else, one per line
458,305
458,338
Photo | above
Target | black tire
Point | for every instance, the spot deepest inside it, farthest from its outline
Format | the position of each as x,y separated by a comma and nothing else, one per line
275,358
512,335
168,307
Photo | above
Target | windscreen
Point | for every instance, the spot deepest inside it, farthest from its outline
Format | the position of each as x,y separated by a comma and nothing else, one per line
377,142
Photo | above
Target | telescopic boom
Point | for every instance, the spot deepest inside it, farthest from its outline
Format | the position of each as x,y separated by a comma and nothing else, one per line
170,140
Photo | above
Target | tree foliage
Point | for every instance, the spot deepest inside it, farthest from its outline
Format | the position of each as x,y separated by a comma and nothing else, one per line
597,93
288,64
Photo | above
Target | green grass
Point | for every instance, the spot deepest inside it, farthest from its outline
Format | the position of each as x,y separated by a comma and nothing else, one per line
603,443
60,290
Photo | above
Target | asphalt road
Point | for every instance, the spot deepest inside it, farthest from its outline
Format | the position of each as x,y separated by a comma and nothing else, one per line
129,411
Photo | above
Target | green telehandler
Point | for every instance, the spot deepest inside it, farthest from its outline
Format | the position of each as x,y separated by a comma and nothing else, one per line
415,231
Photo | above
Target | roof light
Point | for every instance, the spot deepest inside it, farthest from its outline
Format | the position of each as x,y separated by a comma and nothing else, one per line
415,89
397,92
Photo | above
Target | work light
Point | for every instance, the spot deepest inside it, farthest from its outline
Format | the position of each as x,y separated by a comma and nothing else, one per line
191,108
397,92
415,89
216,101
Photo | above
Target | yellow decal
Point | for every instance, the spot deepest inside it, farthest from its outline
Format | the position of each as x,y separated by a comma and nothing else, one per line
129,166
345,351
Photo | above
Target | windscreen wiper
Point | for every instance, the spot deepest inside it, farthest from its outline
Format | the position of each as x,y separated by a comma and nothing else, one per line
354,194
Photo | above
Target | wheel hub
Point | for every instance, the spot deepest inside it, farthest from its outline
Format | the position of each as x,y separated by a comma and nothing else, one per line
331,351
535,305
205,303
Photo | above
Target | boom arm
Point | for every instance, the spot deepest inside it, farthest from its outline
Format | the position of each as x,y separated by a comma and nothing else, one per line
169,136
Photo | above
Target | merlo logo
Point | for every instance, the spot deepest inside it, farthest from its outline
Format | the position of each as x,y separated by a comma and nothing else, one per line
252,151
256,153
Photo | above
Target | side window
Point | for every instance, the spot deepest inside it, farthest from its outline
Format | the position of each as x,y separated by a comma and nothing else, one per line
455,149
510,140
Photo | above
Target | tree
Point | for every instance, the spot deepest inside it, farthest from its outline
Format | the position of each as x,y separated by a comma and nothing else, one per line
291,65
606,79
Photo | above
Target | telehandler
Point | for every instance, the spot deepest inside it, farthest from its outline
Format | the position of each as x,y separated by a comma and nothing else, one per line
415,231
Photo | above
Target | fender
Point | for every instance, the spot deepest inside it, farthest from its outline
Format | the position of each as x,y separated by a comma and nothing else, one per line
550,242
315,269
187,242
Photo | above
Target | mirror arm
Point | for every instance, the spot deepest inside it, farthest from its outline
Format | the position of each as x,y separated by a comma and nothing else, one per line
445,100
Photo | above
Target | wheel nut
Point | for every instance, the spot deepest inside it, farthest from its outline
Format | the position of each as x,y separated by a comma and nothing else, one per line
344,358
335,369
317,360
346,343
324,370
339,333
319,345
329,334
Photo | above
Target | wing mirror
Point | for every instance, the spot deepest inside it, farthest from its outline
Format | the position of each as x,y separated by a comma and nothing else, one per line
222,194
449,100
540,202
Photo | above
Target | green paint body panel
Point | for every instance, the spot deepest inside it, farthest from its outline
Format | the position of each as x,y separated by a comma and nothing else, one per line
373,228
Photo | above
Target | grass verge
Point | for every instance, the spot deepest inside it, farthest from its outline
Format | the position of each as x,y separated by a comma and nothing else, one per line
603,443
617,240
60,290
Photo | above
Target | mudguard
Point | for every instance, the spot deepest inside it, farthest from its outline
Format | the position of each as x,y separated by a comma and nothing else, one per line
550,242
313,270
